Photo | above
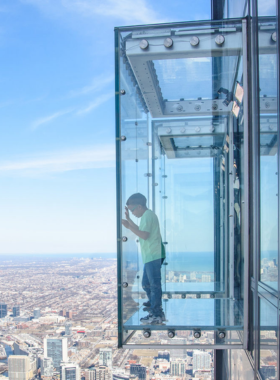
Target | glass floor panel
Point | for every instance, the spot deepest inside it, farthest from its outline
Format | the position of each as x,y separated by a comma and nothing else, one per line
187,288
188,314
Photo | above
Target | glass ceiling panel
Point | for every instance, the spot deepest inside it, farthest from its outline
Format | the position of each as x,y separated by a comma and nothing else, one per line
188,78
192,78
197,141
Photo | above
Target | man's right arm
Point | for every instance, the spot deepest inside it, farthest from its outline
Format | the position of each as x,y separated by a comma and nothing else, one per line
135,229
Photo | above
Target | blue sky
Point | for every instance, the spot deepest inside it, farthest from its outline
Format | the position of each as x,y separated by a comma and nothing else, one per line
57,167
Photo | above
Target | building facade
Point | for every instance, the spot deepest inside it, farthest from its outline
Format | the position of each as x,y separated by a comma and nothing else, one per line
139,371
19,367
177,367
68,329
70,371
201,360
47,368
56,349
69,314
37,313
98,373
105,357
3,310
260,358
16,311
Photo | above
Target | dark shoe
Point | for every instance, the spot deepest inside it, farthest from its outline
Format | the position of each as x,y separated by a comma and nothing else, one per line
153,320
147,318
147,304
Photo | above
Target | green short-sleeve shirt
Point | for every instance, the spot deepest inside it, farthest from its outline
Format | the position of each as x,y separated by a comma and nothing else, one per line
152,248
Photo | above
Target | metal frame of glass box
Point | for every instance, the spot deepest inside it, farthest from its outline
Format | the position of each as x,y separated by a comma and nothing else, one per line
167,122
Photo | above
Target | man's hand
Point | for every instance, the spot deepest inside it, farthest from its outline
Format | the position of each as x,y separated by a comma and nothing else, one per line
127,214
125,223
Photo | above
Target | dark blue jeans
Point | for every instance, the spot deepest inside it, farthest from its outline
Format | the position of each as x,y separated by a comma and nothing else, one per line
151,283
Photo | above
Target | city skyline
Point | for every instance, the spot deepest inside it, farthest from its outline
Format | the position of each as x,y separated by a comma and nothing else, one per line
89,331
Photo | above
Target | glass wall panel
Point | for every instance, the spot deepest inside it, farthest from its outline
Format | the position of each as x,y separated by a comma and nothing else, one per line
268,340
134,179
268,151
240,366
235,9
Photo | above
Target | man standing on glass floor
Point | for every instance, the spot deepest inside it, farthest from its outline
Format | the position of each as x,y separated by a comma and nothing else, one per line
153,254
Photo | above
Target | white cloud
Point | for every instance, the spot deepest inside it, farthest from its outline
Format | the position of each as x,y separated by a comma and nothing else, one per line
137,11
98,100
97,84
96,103
44,120
130,11
63,161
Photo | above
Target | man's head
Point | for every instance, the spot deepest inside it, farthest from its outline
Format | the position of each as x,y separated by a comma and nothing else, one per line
136,203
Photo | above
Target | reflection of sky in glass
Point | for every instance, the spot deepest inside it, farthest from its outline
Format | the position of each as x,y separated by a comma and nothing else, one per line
185,78
193,141
192,78
268,314
234,8
267,8
269,199
268,74
189,206
269,215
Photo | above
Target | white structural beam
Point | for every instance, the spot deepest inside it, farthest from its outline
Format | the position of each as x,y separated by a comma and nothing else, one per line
141,61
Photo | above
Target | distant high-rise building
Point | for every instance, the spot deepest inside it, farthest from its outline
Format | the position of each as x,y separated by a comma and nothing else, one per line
16,311
164,355
37,313
19,367
193,276
47,368
56,348
69,371
62,313
205,278
98,373
105,357
201,360
170,275
68,326
69,314
182,277
138,370
177,367
3,310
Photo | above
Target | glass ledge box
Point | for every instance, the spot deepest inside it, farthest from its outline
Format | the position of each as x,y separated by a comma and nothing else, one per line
182,119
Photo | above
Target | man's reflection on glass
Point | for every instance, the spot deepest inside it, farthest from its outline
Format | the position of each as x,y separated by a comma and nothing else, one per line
152,251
